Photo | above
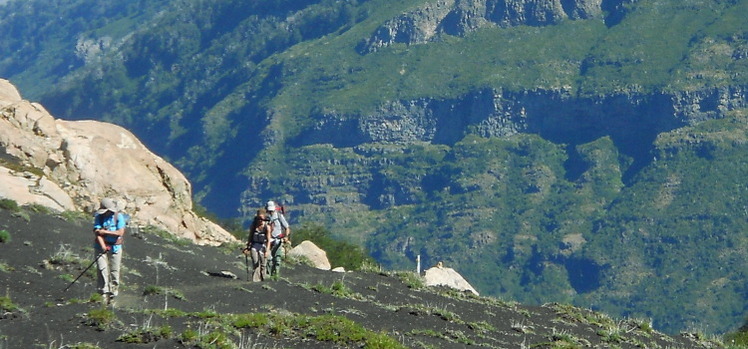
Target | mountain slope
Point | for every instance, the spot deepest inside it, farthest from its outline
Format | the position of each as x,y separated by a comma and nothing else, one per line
569,151
168,299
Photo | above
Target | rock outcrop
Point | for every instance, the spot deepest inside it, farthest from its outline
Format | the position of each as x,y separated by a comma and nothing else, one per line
556,114
442,276
457,17
70,165
310,251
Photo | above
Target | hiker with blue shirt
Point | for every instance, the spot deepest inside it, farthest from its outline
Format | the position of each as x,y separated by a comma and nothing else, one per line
109,228
279,233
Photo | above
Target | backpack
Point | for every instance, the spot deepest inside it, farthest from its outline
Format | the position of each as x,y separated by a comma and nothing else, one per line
258,237
129,228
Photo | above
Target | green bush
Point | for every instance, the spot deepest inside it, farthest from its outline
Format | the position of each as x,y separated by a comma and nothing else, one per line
4,267
339,253
9,205
7,305
738,338
252,320
411,279
4,236
189,336
101,318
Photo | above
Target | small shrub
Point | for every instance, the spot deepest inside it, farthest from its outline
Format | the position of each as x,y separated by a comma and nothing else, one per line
22,214
4,236
335,329
611,335
141,336
738,338
101,318
340,289
64,256
189,336
339,253
39,209
7,305
381,341
411,279
96,298
9,205
4,267
206,314
153,290
371,267
253,320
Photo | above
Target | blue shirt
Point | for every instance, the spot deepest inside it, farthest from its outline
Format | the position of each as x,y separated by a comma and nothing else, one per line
109,223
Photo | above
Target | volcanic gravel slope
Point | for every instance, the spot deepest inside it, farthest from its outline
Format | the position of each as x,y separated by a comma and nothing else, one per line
179,295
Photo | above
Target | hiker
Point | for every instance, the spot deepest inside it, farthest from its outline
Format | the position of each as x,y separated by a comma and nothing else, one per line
108,228
258,245
280,234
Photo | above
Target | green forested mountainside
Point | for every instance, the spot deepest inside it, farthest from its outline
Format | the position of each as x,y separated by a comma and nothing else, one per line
619,184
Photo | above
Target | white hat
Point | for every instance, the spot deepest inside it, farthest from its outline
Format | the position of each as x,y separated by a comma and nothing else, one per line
270,206
106,204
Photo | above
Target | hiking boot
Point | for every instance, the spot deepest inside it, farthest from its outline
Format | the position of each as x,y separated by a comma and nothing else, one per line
109,298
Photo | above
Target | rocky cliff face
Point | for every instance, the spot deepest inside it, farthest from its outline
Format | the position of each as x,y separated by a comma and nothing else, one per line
457,17
71,165
631,120
554,114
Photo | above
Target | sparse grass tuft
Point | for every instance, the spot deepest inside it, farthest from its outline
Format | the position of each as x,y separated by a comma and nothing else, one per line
39,209
4,236
153,290
73,216
101,318
4,267
142,336
6,305
175,240
64,256
170,313
411,279
9,205
337,289
96,298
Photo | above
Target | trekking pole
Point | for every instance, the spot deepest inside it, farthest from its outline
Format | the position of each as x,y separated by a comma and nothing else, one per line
85,270
246,261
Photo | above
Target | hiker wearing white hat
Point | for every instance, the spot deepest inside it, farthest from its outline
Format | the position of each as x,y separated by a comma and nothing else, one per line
280,233
108,228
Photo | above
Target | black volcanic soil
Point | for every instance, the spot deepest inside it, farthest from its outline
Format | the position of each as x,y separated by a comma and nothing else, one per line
49,317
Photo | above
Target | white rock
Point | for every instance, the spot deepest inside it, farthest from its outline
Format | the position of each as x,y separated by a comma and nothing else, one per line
442,276
89,160
26,189
316,255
